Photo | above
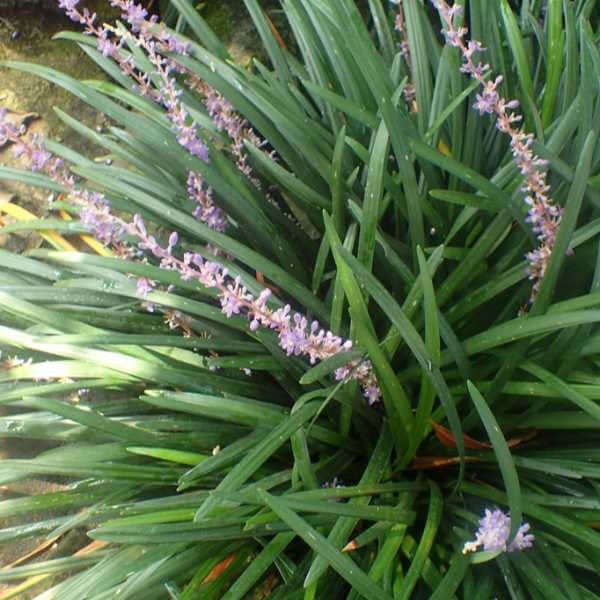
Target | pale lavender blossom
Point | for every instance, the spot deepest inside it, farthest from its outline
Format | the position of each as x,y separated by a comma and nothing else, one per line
134,14
361,371
227,120
69,7
143,287
206,210
336,482
184,127
39,159
542,214
96,217
493,532
107,46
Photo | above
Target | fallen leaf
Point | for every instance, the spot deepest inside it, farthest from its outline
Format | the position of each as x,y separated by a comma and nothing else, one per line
350,546
275,31
527,435
219,569
91,547
37,550
437,462
446,437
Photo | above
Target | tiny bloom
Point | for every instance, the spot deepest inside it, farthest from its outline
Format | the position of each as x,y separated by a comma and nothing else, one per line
187,138
135,14
399,23
39,158
144,287
106,46
18,150
68,4
173,239
7,130
372,394
474,46
453,11
493,532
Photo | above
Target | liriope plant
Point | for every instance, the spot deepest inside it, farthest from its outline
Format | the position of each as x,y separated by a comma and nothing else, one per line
324,327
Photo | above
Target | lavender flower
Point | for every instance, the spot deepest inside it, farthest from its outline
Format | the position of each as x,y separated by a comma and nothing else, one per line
106,46
168,93
144,287
227,120
336,482
134,14
401,29
68,5
95,216
493,532
206,210
544,217
39,158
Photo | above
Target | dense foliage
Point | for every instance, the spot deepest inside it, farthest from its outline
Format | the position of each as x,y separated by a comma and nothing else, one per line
328,315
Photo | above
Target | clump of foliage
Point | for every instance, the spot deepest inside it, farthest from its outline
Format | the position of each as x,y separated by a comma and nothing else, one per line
336,311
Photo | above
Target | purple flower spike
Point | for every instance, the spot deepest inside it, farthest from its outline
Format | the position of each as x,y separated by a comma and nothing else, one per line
493,532
206,210
106,46
39,159
187,138
544,217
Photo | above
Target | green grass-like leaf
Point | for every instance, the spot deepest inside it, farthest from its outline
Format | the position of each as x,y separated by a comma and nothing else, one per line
209,461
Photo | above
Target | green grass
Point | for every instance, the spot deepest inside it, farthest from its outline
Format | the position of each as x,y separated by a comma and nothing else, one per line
408,235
